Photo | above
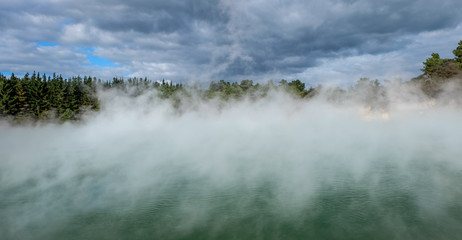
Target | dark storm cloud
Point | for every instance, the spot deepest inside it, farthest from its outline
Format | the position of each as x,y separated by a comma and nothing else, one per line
368,27
138,16
207,40
159,16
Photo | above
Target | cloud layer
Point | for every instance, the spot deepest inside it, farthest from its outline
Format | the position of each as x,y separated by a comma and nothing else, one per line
233,40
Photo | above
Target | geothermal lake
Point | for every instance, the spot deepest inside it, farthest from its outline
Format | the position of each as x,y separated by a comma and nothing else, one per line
248,171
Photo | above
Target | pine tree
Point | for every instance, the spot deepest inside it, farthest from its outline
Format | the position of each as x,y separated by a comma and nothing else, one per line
67,95
36,91
458,53
43,102
11,97
431,64
3,95
77,94
21,101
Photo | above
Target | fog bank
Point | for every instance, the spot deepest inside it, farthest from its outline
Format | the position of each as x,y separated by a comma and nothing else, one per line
140,154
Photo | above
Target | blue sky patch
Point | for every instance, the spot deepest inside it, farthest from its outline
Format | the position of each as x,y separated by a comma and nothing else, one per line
45,44
128,74
99,61
6,73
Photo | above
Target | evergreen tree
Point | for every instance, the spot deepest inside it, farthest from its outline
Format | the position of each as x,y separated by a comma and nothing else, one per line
432,64
77,94
67,96
21,101
297,85
458,53
38,91
246,84
11,96
55,96
3,94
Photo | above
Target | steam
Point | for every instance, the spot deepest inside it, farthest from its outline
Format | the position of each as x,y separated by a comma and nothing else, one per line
141,154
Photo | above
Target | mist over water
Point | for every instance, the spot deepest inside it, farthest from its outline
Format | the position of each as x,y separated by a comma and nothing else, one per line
273,168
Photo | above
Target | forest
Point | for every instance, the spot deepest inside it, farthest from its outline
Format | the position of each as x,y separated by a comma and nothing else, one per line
41,97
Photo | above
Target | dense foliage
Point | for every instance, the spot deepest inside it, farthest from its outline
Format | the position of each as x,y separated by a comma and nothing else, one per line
41,97
34,96
438,71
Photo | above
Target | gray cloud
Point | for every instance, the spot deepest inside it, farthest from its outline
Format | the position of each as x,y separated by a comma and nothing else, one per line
209,40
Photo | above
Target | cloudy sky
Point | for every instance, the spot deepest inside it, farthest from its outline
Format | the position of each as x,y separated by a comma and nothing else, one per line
198,40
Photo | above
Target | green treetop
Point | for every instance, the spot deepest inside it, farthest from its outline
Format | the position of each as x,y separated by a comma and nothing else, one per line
458,53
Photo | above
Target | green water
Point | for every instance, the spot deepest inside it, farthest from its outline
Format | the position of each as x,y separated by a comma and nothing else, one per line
424,201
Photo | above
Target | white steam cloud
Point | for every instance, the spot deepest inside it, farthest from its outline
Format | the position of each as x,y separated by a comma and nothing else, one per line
139,155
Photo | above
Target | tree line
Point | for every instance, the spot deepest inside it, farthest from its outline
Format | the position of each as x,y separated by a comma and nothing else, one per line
44,97
41,97
38,96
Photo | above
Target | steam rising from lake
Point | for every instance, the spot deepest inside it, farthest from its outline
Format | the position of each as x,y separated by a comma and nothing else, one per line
274,168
